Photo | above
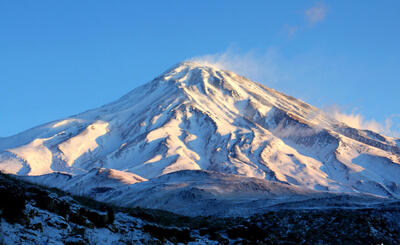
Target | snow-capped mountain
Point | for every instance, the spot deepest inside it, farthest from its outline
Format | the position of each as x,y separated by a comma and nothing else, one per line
198,117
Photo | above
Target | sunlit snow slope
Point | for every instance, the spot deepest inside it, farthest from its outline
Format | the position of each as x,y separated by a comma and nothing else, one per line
196,117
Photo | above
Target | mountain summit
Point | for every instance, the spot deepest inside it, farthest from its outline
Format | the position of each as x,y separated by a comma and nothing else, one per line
216,124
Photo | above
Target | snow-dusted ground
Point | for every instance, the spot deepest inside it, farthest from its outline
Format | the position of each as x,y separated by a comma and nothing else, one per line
48,228
37,215
196,117
51,218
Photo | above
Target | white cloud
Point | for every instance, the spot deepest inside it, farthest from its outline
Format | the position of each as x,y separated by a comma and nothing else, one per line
290,30
313,15
316,13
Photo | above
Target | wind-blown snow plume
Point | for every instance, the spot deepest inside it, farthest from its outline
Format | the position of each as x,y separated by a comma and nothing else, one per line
356,120
261,67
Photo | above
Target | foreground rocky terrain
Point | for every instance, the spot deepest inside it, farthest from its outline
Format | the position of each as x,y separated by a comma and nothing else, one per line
32,214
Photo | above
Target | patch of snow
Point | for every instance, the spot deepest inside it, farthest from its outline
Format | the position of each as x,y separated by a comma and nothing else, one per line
83,143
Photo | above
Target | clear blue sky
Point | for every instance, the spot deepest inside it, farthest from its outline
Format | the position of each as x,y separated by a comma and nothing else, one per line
59,58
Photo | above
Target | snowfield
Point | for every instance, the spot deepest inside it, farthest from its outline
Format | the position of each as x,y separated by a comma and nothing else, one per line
197,136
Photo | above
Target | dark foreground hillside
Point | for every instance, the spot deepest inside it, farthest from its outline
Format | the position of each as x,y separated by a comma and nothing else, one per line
31,214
